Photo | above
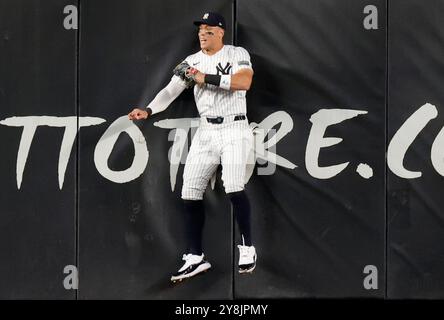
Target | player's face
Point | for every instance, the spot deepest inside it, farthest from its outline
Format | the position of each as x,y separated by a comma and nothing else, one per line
209,37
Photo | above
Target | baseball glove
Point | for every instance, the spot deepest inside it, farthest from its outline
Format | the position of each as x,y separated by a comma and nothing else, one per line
185,72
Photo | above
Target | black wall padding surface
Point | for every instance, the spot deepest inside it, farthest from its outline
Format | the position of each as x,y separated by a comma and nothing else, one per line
37,220
315,236
416,219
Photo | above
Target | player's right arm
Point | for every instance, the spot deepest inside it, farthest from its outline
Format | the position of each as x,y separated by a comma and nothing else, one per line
162,100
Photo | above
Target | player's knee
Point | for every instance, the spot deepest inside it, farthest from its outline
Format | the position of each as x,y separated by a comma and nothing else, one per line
192,194
232,188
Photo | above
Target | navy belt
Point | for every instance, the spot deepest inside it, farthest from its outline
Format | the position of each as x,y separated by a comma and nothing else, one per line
221,119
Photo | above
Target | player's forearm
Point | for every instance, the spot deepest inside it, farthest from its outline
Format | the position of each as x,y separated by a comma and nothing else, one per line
160,102
165,97
240,82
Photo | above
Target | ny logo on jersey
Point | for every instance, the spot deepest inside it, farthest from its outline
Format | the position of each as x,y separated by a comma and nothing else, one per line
223,70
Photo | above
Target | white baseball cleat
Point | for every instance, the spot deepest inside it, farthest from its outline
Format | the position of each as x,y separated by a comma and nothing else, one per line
194,264
247,258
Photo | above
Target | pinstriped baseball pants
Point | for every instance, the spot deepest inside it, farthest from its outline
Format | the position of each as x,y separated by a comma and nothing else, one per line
228,144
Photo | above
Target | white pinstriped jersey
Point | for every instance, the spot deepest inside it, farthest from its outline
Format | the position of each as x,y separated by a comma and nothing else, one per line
211,100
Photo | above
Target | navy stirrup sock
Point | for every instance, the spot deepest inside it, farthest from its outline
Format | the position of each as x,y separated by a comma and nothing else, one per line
241,208
194,222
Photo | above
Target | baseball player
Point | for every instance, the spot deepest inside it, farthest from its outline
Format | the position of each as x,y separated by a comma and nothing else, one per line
221,74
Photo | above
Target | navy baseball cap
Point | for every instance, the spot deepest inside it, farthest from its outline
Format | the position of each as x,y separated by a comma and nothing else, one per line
212,19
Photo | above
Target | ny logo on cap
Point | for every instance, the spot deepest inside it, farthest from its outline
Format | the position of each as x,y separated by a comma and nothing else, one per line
205,16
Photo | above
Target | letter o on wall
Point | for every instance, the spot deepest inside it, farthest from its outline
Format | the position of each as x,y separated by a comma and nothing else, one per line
106,144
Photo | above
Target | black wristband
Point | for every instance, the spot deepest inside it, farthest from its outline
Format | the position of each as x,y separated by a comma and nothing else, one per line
212,79
150,111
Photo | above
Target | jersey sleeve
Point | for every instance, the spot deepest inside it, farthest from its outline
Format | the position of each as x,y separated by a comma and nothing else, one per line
178,80
241,60
165,96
